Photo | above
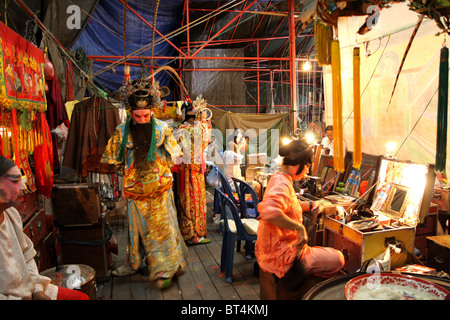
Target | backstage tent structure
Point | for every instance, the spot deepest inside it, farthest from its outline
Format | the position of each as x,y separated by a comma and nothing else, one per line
241,56
247,57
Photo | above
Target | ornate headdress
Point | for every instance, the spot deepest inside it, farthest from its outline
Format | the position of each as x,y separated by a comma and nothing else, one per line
141,94
194,108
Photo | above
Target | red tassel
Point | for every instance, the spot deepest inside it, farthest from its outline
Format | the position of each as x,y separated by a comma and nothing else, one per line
126,71
16,137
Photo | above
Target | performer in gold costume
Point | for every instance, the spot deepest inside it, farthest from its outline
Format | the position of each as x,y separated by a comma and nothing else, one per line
143,149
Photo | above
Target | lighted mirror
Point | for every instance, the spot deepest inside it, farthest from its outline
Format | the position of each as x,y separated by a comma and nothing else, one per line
400,190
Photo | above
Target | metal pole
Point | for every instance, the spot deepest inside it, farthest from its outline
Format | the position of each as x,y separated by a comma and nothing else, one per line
197,58
223,28
188,31
293,64
258,94
156,30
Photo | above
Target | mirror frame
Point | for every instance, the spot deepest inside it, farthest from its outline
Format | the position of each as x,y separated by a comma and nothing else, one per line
387,204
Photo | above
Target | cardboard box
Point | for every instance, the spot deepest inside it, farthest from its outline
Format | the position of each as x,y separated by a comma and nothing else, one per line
251,174
441,198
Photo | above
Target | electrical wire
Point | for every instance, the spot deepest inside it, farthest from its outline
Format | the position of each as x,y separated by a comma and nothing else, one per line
415,125
371,76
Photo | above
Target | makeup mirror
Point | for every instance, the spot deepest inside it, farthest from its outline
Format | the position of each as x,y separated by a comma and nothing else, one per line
397,201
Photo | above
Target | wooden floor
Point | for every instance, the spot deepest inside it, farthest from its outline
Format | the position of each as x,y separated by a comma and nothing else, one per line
202,279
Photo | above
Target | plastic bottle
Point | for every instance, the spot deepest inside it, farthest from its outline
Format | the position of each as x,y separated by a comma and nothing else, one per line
355,187
350,181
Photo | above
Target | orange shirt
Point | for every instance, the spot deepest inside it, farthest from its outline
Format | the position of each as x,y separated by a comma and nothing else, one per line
275,247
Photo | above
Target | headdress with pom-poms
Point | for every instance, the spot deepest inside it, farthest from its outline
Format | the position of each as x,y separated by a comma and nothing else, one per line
141,94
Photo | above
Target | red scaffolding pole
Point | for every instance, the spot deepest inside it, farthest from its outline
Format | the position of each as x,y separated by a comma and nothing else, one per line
153,27
223,28
252,64
293,65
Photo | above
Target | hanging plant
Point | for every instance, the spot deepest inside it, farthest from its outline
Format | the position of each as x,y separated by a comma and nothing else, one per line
438,10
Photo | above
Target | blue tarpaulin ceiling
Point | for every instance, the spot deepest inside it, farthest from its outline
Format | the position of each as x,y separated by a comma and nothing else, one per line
106,37
103,37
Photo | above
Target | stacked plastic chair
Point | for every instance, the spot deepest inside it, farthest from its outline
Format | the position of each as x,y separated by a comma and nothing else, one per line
248,208
235,229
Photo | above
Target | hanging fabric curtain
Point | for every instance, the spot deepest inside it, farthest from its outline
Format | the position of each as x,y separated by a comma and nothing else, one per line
337,107
43,158
322,41
441,145
357,153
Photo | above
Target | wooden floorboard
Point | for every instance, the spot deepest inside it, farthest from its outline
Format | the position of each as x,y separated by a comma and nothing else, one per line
201,280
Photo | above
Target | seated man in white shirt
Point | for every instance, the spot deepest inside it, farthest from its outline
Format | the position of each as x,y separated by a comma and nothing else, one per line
231,163
328,142
20,279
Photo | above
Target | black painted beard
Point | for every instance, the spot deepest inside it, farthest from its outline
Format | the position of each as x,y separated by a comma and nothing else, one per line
141,135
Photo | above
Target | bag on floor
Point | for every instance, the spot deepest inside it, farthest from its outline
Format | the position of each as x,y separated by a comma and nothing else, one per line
213,177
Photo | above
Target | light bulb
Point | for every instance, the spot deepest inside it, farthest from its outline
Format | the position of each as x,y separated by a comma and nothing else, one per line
307,66
390,148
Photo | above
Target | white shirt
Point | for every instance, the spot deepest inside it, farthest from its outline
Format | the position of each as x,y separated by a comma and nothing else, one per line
231,165
327,143
19,276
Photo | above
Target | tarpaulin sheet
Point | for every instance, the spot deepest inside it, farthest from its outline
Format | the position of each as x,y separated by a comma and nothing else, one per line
66,19
103,36
217,87
264,130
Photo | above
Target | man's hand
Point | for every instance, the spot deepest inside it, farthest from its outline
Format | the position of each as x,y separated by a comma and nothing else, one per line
302,236
316,205
40,296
